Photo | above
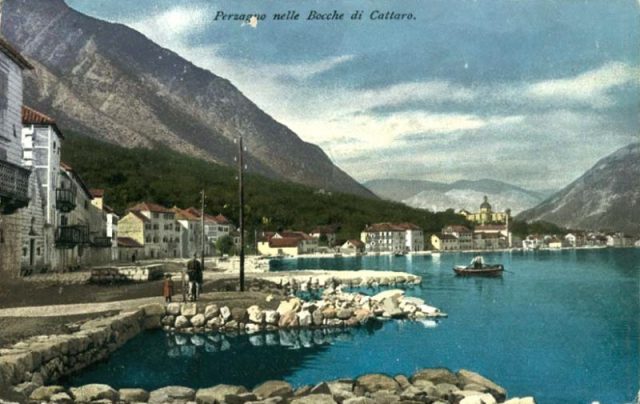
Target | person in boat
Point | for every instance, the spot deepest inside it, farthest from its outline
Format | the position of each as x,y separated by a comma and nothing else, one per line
477,263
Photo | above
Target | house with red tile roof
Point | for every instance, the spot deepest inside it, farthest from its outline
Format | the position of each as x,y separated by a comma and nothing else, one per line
155,227
288,242
393,237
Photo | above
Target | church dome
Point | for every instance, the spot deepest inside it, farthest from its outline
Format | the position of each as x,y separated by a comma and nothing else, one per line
485,205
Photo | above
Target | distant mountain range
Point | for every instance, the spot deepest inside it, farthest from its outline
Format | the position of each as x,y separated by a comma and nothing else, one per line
110,82
464,194
606,197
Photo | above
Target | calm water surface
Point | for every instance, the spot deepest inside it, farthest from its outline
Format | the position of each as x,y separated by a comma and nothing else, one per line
562,326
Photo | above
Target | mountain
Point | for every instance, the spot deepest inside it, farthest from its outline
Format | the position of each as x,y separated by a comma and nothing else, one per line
112,83
464,194
606,197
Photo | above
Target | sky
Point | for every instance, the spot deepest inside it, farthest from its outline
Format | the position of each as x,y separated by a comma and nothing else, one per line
530,92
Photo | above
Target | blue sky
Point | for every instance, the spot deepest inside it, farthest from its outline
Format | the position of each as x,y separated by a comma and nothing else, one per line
529,92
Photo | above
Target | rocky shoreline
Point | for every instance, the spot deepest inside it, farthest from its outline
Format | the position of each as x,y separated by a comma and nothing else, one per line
335,309
438,386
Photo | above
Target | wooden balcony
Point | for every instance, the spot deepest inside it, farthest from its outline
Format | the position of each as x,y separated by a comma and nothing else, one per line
14,187
65,199
71,236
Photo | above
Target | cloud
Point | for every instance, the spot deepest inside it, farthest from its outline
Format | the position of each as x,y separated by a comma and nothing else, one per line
434,128
588,88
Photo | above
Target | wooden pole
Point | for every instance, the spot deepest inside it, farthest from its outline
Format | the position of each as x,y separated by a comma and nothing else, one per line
241,218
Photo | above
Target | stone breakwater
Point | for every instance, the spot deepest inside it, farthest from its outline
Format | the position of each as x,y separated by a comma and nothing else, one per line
335,309
439,386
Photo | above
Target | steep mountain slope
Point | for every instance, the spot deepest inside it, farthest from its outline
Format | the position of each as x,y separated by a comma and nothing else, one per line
462,194
606,197
111,82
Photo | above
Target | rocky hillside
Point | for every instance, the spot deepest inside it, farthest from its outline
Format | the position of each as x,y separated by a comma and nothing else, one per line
462,194
111,82
606,197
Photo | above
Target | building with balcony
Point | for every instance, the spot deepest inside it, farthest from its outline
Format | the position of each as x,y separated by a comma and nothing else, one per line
111,235
191,233
14,178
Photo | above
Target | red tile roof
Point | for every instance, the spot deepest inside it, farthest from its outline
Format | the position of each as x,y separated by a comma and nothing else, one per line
220,219
128,242
300,235
456,229
185,214
284,242
13,54
140,216
397,227
491,227
356,243
150,207
32,117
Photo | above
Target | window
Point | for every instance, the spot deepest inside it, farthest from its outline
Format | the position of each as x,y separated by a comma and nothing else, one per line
156,226
147,226
38,251
54,145
155,215
148,239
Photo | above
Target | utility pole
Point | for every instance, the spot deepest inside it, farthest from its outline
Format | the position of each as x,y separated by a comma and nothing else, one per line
241,218
202,226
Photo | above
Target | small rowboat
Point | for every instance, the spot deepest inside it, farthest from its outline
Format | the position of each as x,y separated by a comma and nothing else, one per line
479,268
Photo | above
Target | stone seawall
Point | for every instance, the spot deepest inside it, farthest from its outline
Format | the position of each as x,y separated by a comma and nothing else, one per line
43,359
438,386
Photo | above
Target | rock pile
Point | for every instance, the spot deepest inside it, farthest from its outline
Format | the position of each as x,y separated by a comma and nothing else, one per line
440,386
335,309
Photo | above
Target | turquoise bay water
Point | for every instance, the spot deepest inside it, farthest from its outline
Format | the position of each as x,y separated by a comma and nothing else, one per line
562,326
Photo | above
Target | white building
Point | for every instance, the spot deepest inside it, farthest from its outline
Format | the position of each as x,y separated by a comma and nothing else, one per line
463,234
14,178
41,143
393,237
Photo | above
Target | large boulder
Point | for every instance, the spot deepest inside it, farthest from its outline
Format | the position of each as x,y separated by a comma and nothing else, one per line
391,307
239,314
271,317
294,304
344,314
531,400
483,398
64,398
93,392
189,309
173,309
134,395
304,318
317,317
288,320
198,320
273,388
375,382
315,399
225,312
392,293
172,394
436,376
182,322
44,393
218,394
211,311
469,377
256,315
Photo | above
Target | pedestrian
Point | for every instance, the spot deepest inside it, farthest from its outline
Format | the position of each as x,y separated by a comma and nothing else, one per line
194,272
167,288
199,279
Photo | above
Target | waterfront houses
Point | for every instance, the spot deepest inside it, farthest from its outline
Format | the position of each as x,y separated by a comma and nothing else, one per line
287,242
352,246
326,234
154,227
14,177
393,237
191,233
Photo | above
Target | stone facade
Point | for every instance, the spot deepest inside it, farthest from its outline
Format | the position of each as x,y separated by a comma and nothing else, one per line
13,177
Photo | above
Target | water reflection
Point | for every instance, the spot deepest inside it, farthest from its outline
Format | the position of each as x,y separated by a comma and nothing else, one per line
189,345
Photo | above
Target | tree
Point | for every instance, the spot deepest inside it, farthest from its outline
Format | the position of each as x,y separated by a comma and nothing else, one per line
224,245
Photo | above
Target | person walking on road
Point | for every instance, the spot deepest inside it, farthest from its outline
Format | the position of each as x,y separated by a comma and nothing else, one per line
194,272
